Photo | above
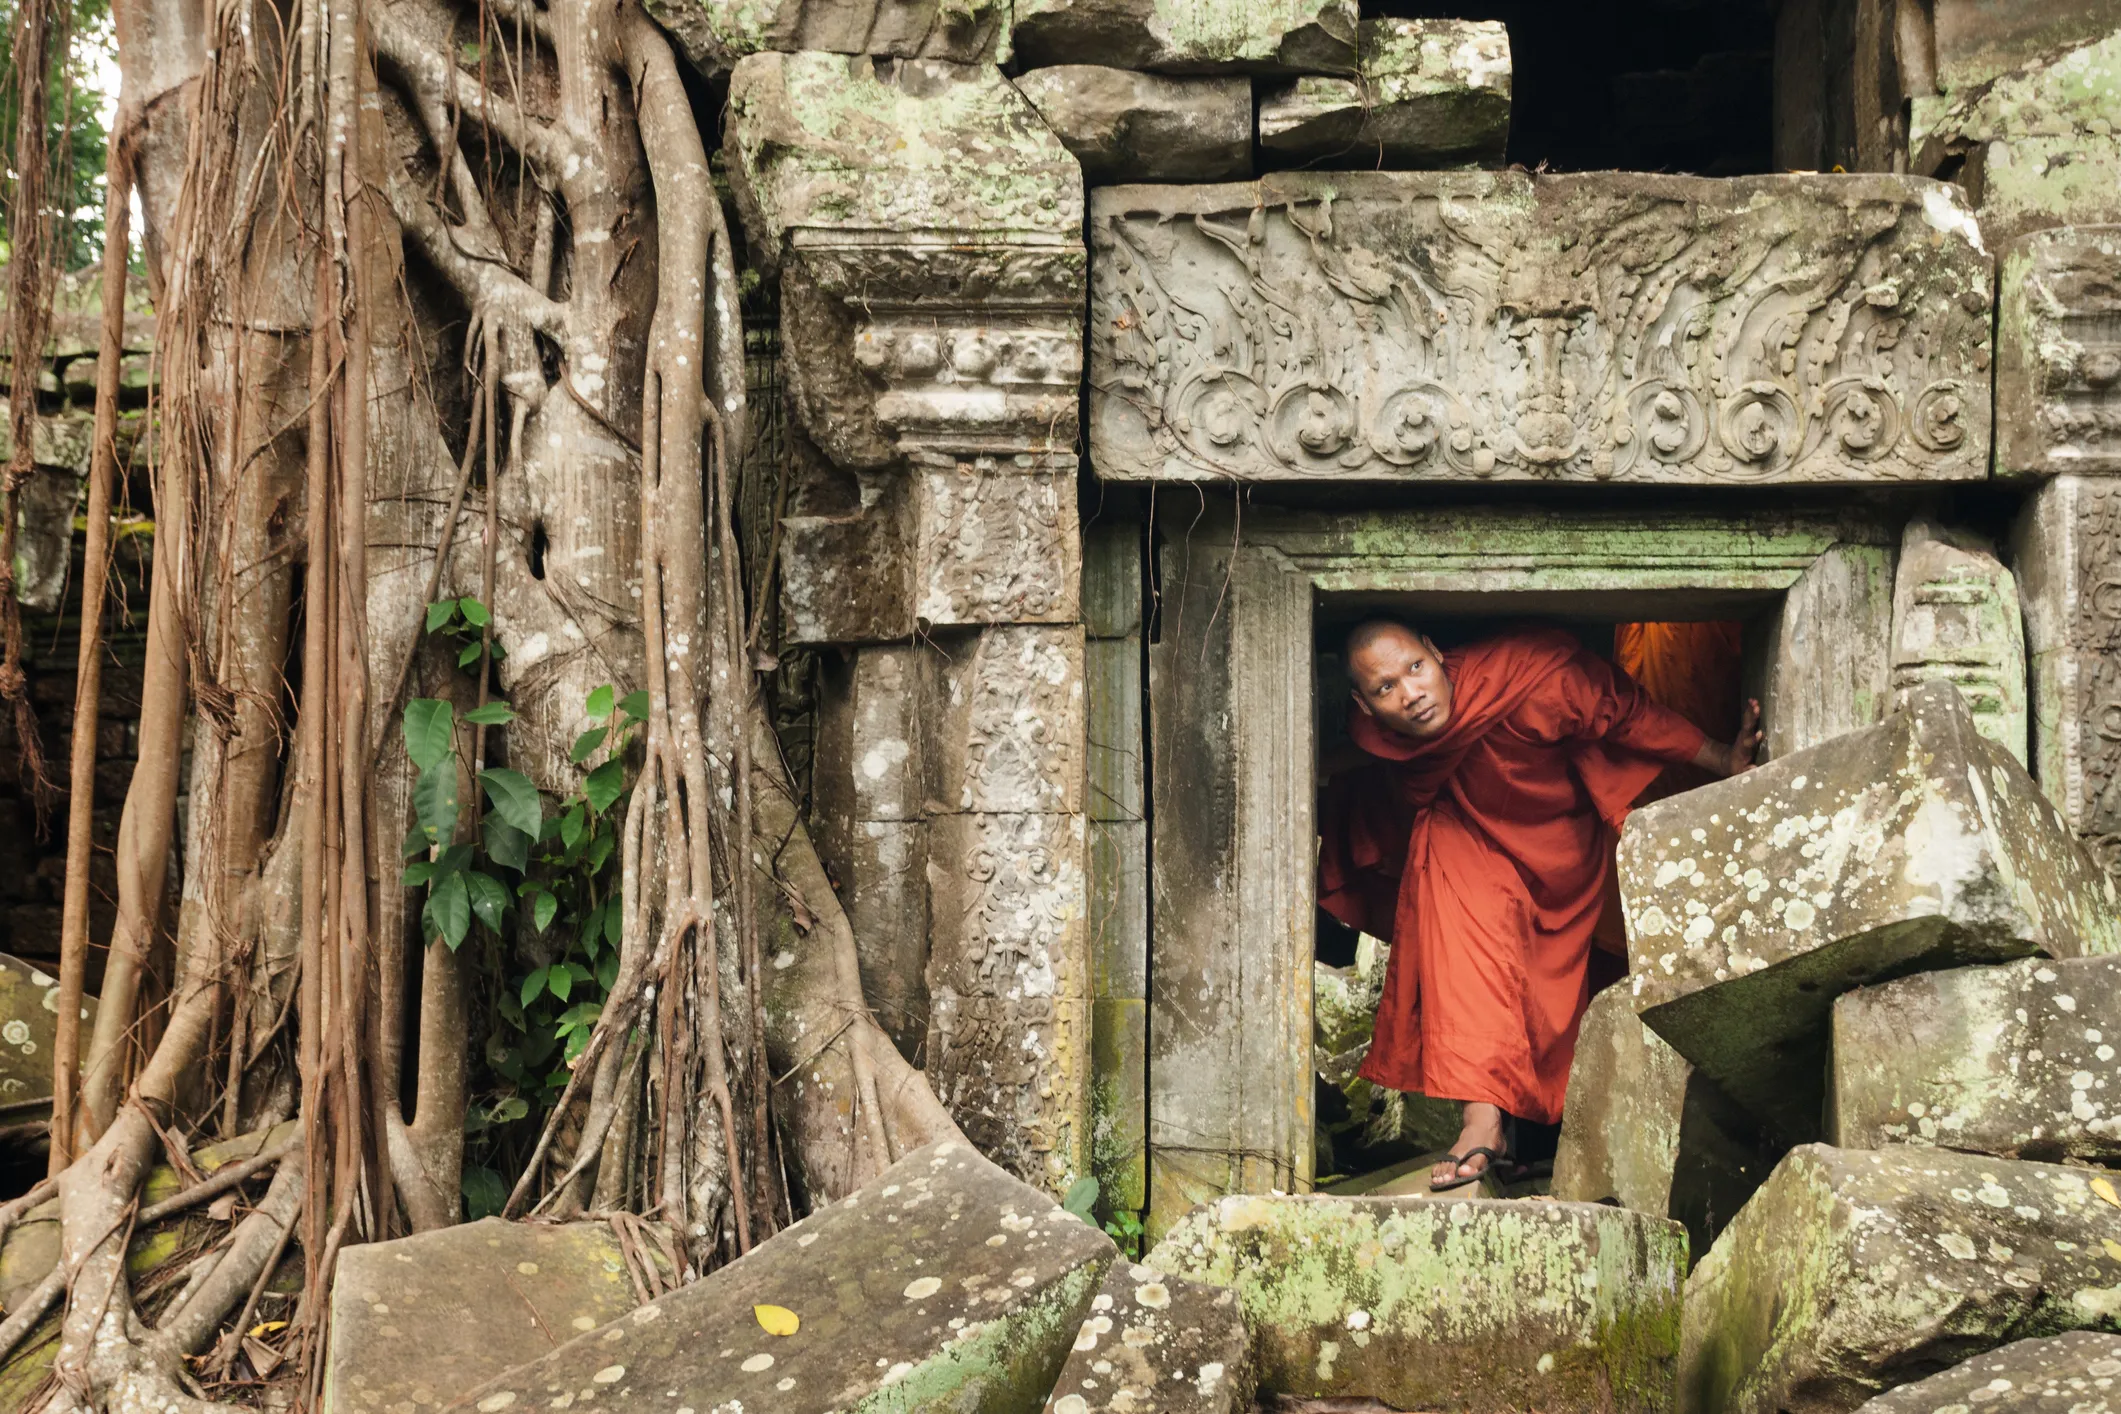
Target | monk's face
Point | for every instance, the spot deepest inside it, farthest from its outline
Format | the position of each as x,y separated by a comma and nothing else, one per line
1399,680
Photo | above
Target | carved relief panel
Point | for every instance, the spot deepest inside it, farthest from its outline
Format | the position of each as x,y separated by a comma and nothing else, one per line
2058,374
1472,326
1956,620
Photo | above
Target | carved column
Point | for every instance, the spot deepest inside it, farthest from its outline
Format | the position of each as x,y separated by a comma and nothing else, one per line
1956,619
925,227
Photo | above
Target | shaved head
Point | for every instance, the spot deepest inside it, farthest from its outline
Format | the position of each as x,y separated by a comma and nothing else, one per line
1398,678
1371,631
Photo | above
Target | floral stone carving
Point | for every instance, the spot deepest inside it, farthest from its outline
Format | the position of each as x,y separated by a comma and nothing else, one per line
1465,326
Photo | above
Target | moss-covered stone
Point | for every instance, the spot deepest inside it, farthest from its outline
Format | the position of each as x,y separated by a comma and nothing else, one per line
1189,36
2016,1061
1157,1344
1126,126
943,1284
1429,93
29,1024
1472,1304
1851,1272
419,1320
2077,1372
2058,353
1753,903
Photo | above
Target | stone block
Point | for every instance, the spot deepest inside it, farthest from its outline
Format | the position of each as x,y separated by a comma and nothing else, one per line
715,34
1828,666
1854,1271
943,1284
1429,93
29,1027
849,578
995,544
1475,326
1471,1304
2066,549
1112,576
1978,40
1640,1128
44,536
1156,1343
1915,844
1006,721
419,1321
1252,37
1956,619
1117,765
1119,1120
1125,126
2058,353
871,734
885,892
1119,908
2077,1372
2012,1060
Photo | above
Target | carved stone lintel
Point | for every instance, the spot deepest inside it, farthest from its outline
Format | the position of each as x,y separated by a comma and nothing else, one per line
995,542
1169,36
1956,619
1602,326
2067,553
2058,353
1008,720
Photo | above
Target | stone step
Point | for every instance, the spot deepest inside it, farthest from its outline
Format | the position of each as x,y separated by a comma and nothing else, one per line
2077,1372
1852,1271
945,1283
1913,845
2017,1060
1644,1129
1446,1303
1157,1343
423,1318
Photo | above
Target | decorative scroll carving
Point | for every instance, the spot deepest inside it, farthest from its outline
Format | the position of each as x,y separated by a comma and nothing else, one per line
2058,373
1466,326
995,543
1011,709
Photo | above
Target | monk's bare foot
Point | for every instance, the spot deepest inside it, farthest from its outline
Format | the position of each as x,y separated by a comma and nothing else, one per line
1483,1130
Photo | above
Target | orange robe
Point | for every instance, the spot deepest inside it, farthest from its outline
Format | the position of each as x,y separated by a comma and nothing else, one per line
1483,853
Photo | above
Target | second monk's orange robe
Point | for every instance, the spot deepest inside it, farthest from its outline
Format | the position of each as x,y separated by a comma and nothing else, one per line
1483,854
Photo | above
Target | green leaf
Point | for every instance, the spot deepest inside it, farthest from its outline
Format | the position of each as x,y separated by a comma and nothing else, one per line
542,911
598,707
475,613
571,826
505,844
608,971
429,726
1082,1196
581,1014
484,1192
493,714
434,802
417,873
614,922
559,981
439,613
604,785
456,856
510,1108
599,850
514,797
416,842
468,655
448,911
533,986
489,899
586,743
635,705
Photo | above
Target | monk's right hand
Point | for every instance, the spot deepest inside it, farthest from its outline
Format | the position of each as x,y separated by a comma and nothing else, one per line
1746,745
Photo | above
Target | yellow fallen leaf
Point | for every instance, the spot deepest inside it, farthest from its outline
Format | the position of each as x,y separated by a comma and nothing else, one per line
777,1320
267,1328
2113,1248
2106,1190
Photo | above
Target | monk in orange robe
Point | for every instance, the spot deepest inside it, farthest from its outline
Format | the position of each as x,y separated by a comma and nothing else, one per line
1482,849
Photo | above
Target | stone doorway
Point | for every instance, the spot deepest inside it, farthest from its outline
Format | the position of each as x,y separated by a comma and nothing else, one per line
1246,598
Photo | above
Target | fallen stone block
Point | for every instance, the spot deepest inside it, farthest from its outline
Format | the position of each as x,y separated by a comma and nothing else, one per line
1912,845
2016,1061
2058,353
29,1025
1156,1342
1429,92
944,1283
2076,1372
1125,126
419,1320
1168,36
1854,1271
1423,1303
1643,1129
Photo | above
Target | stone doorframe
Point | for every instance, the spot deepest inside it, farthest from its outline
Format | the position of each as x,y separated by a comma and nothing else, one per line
1232,732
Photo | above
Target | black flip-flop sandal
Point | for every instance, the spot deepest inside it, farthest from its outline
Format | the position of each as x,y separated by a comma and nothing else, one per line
1494,1157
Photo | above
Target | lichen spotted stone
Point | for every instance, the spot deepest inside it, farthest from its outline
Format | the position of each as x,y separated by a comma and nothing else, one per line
944,1283
2077,1372
1752,903
1158,1344
1854,1271
2017,1060
1423,1303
